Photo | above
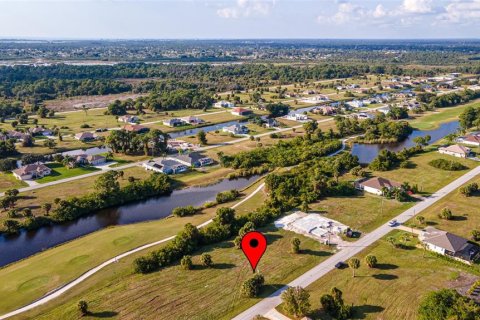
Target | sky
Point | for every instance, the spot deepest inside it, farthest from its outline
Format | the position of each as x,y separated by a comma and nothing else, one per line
239,19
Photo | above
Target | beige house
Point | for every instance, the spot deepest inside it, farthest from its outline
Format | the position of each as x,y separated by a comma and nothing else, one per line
456,151
86,136
32,171
375,185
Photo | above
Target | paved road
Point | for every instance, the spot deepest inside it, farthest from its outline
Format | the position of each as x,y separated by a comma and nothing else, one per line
59,291
264,306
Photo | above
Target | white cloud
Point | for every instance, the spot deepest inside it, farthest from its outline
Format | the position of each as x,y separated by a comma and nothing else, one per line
462,12
246,8
417,6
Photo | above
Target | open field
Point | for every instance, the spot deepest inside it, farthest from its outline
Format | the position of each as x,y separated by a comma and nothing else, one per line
212,138
428,178
69,143
465,212
59,172
28,279
431,120
402,278
201,293
8,181
89,101
364,212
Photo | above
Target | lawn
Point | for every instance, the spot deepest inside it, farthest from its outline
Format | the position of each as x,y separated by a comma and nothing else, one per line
465,212
68,143
364,212
432,120
201,293
60,172
31,278
428,178
395,288
8,181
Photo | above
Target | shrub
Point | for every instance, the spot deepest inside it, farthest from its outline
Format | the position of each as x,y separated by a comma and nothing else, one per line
296,301
371,261
448,165
186,262
83,307
469,190
85,126
476,235
252,287
227,196
446,214
185,211
295,245
207,260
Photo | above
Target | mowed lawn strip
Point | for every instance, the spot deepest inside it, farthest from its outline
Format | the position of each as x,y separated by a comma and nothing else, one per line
29,279
59,172
395,288
201,293
8,181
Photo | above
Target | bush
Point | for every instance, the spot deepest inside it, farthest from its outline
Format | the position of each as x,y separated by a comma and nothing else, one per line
252,287
469,190
83,307
227,196
448,165
476,235
295,245
85,126
186,262
446,214
185,211
207,260
371,261
7,165
296,301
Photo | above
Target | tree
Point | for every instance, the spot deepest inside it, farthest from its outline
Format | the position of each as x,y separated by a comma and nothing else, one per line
371,261
296,301
47,207
447,304
207,260
295,245
334,305
186,262
49,143
420,219
83,307
202,137
354,263
11,226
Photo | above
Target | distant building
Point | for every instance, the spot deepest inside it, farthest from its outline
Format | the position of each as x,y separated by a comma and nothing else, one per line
194,159
450,245
296,117
236,129
135,128
470,139
128,119
37,131
241,111
271,123
365,116
456,151
19,136
174,122
192,120
375,185
167,166
32,171
224,104
85,136
355,103
96,160
325,110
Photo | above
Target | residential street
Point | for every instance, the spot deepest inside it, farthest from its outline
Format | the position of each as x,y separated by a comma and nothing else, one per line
264,306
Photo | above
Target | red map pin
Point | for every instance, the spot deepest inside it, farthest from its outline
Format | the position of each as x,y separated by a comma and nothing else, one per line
253,246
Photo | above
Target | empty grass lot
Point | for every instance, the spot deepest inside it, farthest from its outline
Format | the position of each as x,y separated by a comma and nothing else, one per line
395,288
59,172
200,293
8,181
464,209
33,277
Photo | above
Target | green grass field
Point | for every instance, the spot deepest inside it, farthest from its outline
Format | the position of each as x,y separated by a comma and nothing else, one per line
200,293
60,172
394,289
31,278
432,120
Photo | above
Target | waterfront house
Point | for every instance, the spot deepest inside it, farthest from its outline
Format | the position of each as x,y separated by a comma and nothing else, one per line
296,117
456,151
224,104
166,165
173,122
129,119
85,136
241,112
192,120
135,128
472,139
194,159
237,128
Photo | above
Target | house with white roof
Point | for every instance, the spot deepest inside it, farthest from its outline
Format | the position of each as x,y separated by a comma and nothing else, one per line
456,151
224,104
296,116
237,128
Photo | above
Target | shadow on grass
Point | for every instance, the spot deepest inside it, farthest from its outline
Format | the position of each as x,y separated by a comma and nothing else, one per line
384,276
217,266
459,218
386,266
103,314
362,312
268,289
316,253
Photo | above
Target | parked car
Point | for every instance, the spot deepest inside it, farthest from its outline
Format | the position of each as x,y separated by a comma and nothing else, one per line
341,265
393,223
